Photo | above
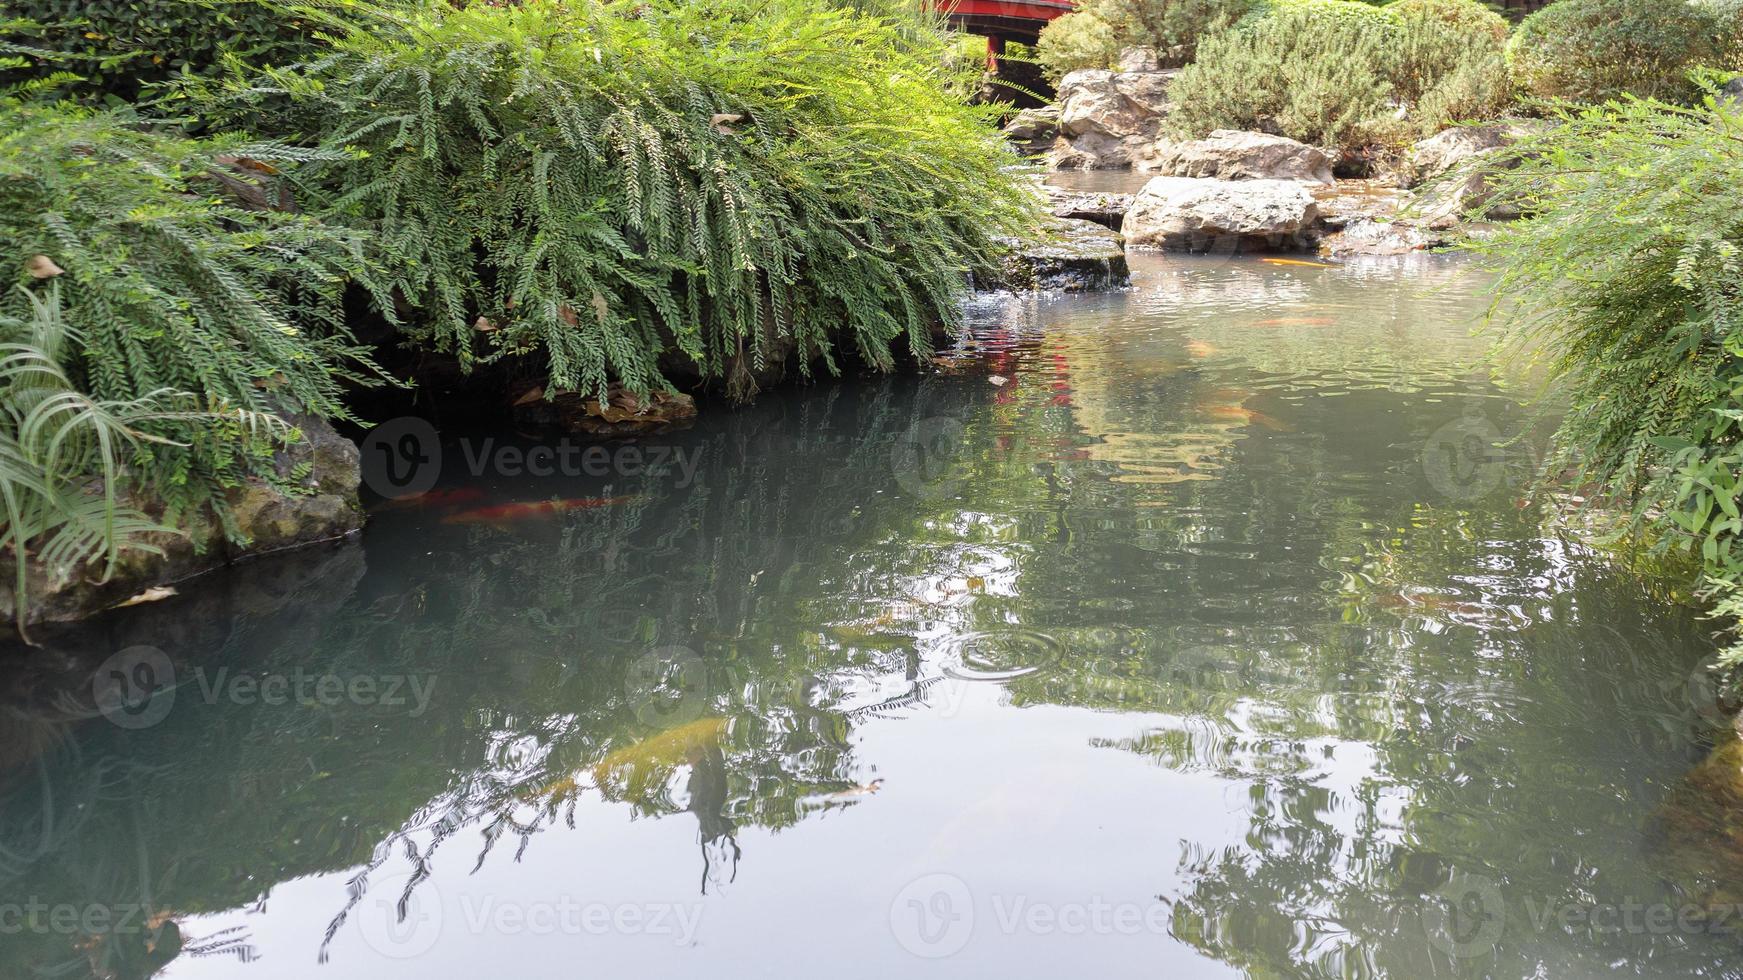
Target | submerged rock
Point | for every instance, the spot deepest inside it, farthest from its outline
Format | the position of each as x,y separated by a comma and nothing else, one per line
1205,214
1697,832
1107,210
272,521
1082,256
1369,236
1232,154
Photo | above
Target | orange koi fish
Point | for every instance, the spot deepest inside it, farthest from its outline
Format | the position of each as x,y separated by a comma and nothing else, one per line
1245,416
519,510
439,498
1298,262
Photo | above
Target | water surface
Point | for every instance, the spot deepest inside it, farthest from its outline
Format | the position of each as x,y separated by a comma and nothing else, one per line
1192,630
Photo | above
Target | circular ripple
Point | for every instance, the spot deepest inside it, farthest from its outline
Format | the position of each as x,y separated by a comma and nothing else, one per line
1001,655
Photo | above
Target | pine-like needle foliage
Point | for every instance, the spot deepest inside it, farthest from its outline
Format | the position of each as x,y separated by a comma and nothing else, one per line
610,185
170,288
1626,280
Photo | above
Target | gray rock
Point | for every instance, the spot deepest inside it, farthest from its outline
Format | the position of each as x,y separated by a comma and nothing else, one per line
1205,214
1732,92
1034,130
1441,153
1140,59
1347,201
1107,210
272,521
1367,236
1080,256
1105,116
1231,154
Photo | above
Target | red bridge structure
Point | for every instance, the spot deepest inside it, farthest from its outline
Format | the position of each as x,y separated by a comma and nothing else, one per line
1002,20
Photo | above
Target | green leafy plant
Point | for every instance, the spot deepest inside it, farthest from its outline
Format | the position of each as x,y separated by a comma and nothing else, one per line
1076,40
1592,50
1310,73
1094,35
61,453
168,285
607,187
1342,74
1726,20
1623,280
1465,16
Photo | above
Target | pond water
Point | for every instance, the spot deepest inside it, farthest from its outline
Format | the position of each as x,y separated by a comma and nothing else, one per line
1217,638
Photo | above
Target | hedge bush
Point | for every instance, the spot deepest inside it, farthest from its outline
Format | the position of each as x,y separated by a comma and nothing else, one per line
1094,35
604,186
1465,16
1076,40
1592,50
1337,73
1726,17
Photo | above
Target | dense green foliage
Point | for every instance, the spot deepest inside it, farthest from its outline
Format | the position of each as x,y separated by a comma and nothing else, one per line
1336,72
603,186
1624,280
217,319
54,438
1726,19
1095,34
1467,16
120,48
1591,50
1076,40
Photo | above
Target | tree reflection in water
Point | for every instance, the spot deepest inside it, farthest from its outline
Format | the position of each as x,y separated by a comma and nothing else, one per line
1213,536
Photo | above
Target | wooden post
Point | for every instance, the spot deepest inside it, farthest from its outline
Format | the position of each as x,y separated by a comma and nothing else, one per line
995,46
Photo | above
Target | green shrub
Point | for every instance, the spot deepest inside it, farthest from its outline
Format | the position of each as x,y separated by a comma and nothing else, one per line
1336,72
1726,18
1351,11
1310,74
61,453
1446,70
1644,336
1592,50
1076,40
1465,16
604,185
175,296
1095,34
